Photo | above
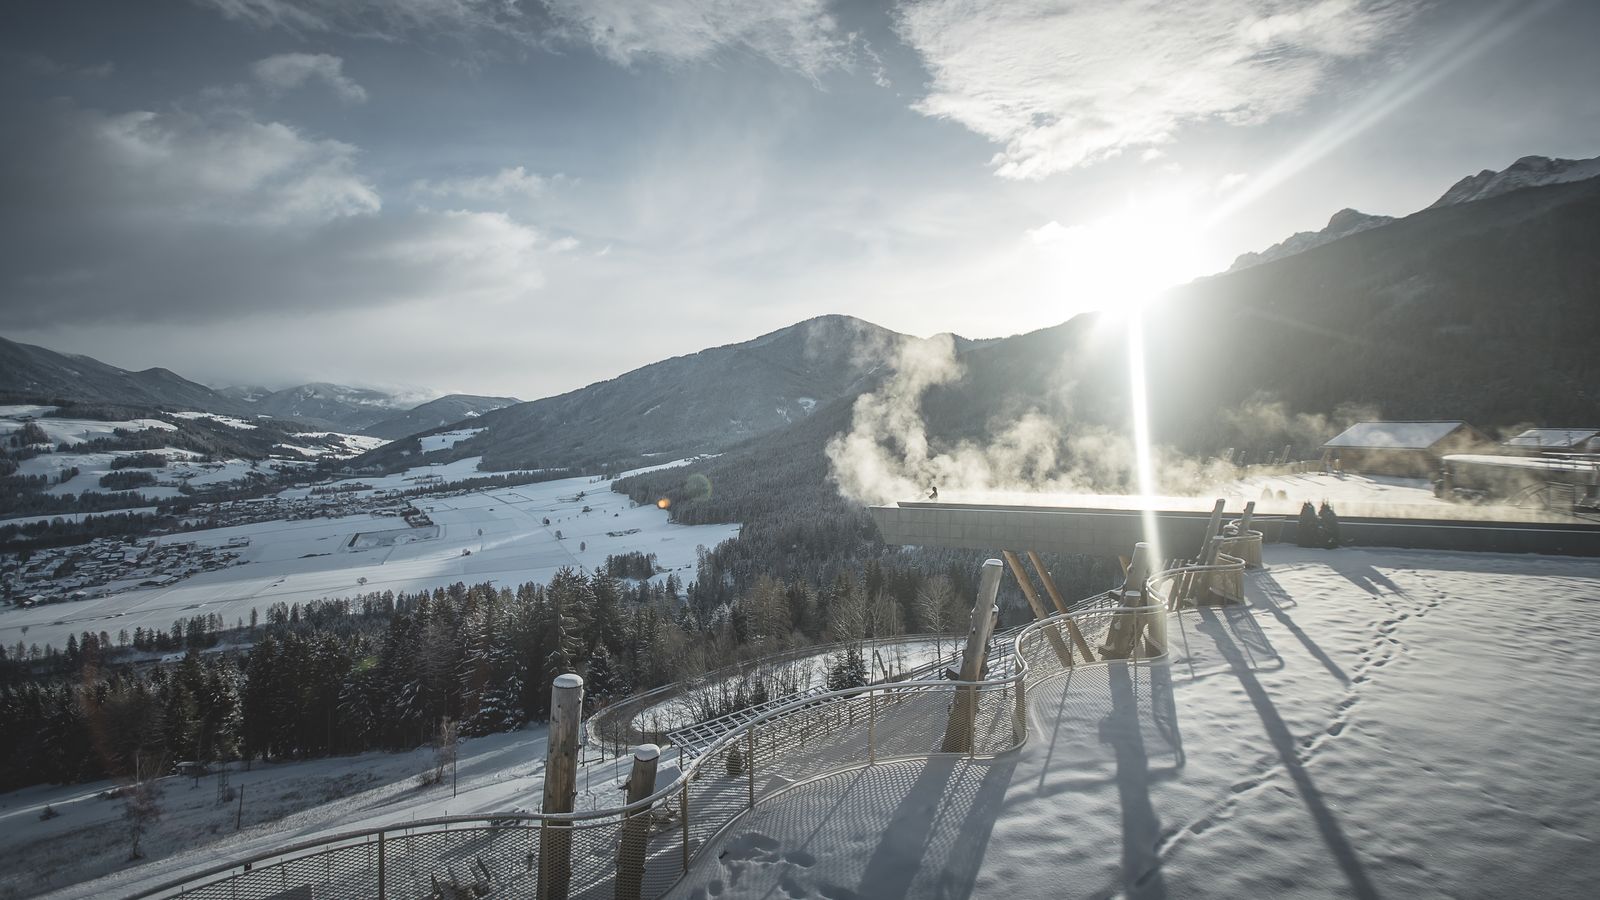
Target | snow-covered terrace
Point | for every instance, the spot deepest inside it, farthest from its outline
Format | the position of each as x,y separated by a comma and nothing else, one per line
1376,723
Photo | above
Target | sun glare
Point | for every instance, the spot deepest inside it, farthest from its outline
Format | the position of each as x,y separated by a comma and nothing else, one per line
1117,266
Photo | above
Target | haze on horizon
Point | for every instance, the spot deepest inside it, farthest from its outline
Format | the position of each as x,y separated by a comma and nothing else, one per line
523,198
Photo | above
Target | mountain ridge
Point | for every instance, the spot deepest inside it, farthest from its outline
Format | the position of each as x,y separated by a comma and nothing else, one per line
685,405
1527,172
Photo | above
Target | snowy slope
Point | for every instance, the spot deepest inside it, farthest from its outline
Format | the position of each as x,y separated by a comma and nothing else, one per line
1391,723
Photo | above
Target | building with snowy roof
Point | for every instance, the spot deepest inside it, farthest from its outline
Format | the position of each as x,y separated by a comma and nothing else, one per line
1412,449
1555,440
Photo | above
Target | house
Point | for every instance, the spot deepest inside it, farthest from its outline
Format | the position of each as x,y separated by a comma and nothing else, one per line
1536,441
1410,449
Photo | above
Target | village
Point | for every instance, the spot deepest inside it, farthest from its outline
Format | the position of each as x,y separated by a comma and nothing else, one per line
106,565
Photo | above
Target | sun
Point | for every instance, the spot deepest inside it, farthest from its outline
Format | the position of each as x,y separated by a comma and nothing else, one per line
1125,259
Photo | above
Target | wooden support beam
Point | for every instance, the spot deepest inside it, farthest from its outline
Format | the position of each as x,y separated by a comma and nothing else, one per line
1212,526
1053,635
1061,605
1048,582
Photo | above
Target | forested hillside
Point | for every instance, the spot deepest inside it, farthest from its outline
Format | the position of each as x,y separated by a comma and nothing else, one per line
38,374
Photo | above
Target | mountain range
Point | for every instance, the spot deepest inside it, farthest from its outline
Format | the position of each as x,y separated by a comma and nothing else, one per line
32,373
1485,311
340,407
1482,306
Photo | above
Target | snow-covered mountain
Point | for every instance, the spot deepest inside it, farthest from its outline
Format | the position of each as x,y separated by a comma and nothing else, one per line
700,403
339,406
436,414
1529,171
1344,223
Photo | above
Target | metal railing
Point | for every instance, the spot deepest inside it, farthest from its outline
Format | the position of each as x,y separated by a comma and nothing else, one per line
1194,584
1245,546
460,856
616,723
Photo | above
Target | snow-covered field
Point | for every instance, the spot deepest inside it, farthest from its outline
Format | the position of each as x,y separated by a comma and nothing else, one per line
446,439
1379,723
283,803
183,466
75,431
494,536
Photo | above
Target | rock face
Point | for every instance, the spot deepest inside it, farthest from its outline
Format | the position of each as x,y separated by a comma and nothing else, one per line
1529,171
1344,223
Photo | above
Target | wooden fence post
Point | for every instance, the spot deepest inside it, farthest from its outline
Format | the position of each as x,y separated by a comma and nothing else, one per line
958,732
560,785
636,826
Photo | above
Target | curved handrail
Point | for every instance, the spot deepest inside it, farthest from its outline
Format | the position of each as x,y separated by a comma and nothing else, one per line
1023,668
634,705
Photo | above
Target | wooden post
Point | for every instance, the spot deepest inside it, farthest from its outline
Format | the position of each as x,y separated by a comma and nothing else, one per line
1244,520
1061,605
872,726
958,737
1123,637
382,881
560,785
683,815
1053,635
636,827
1212,526
750,764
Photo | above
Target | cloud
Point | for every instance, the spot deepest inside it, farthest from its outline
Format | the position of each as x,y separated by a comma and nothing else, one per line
1061,85
288,71
158,217
506,184
40,65
798,34
386,19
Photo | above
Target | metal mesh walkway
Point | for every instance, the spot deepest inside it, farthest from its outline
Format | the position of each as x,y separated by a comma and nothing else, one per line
693,740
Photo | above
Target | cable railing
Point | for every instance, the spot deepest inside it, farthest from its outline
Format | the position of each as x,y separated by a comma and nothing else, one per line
811,736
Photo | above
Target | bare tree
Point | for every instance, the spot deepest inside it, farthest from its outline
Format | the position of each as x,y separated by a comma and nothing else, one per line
444,748
141,802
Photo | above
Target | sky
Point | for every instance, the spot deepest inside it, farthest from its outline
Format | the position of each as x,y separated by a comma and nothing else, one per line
521,197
